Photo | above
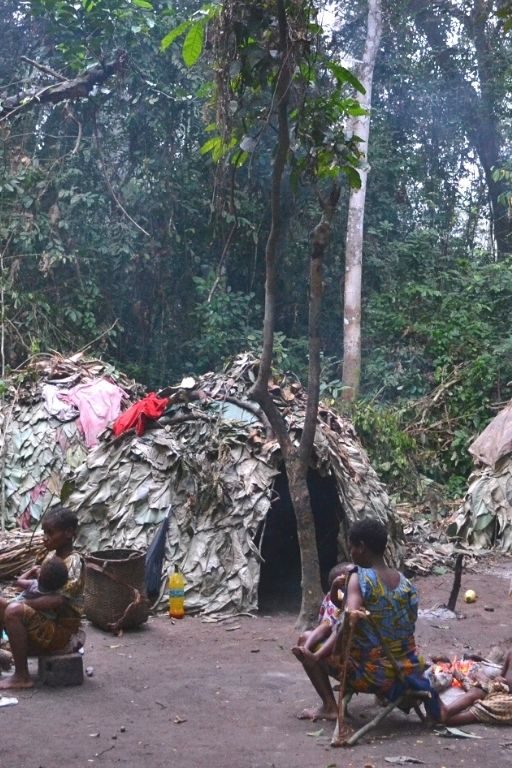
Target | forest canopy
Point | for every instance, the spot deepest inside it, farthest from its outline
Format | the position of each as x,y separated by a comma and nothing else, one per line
121,230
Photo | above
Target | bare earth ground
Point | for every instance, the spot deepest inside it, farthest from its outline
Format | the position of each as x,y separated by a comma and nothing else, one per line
192,694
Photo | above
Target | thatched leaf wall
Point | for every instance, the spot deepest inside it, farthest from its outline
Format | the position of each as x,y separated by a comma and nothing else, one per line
211,460
42,441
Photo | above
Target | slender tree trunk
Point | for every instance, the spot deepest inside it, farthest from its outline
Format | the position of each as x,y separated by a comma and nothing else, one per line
296,458
351,374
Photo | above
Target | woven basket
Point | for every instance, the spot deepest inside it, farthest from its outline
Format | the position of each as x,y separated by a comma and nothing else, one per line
114,589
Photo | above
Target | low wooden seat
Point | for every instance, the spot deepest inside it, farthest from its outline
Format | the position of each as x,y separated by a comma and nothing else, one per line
409,699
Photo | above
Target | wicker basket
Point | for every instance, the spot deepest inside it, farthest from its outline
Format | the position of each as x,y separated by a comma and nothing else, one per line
114,589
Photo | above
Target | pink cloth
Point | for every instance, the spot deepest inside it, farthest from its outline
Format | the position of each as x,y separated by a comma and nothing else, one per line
98,402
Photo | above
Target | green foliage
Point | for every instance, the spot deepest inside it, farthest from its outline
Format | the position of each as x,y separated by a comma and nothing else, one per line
193,30
453,362
437,344
393,451
505,13
91,29
247,66
224,323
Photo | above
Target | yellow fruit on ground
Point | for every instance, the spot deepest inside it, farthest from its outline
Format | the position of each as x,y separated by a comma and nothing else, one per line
470,596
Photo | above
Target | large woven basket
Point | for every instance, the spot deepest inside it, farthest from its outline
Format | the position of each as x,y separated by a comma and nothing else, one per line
114,589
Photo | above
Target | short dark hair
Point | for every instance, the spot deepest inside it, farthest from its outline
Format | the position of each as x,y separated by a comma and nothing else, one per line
370,532
61,518
53,574
338,570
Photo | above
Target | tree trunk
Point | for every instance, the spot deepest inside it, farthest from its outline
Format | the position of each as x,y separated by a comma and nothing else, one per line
296,459
351,374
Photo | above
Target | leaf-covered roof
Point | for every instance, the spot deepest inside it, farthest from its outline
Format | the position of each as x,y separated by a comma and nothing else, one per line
211,459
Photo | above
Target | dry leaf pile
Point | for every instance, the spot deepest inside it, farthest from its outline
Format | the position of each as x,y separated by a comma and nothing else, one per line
38,450
429,546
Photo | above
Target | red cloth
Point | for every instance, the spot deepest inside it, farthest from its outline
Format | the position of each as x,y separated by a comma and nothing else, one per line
137,415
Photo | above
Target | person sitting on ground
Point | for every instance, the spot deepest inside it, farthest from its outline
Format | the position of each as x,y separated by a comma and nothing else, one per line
52,576
381,605
318,643
28,627
490,701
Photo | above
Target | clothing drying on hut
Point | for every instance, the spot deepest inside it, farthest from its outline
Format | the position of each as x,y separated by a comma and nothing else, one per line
212,459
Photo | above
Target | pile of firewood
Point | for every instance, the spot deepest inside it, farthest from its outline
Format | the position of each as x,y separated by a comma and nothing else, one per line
19,550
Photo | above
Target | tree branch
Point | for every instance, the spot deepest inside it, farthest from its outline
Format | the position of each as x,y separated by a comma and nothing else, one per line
79,87
45,69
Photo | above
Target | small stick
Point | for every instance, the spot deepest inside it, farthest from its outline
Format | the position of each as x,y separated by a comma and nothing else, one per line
456,583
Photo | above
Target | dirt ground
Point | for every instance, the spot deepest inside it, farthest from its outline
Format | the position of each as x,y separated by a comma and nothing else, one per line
196,694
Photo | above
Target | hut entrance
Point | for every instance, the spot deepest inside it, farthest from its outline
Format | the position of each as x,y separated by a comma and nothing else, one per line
279,587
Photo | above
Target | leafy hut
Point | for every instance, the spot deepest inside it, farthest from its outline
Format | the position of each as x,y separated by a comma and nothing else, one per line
52,411
484,520
211,463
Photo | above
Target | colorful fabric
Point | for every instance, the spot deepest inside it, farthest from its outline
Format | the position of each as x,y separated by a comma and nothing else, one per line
151,407
46,634
73,589
33,591
495,708
393,613
329,612
53,634
98,403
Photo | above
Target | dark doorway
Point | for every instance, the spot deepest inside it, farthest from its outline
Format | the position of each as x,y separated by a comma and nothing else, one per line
279,587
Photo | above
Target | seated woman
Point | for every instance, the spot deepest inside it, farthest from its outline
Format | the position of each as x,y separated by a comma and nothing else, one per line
392,603
46,623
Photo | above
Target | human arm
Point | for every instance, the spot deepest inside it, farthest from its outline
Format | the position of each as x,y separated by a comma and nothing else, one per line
327,647
24,583
318,635
25,579
52,602
354,596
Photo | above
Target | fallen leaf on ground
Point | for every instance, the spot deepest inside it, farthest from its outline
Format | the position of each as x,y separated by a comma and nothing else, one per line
6,701
179,719
316,733
402,759
456,733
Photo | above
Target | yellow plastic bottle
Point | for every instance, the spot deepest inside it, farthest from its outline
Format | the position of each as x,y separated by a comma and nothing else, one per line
176,587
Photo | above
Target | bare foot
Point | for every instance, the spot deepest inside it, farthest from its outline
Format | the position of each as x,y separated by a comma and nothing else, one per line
302,654
16,682
318,714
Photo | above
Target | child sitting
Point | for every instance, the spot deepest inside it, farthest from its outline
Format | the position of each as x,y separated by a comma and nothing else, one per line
318,643
27,622
52,576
